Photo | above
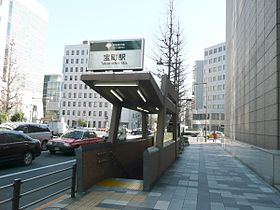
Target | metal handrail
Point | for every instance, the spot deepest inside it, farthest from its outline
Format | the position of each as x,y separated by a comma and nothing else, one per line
18,182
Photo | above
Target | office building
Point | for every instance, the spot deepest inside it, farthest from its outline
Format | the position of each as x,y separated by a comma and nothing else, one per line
23,32
51,97
252,85
214,77
209,88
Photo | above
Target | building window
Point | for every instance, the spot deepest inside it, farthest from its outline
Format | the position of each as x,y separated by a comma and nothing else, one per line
75,86
77,52
106,104
90,95
76,69
94,113
82,60
89,104
79,113
79,104
80,95
210,52
205,53
74,95
84,113
85,95
63,112
67,52
72,52
220,49
69,103
70,86
64,86
67,61
72,60
215,50
69,95
73,112
95,95
64,103
82,52
76,78
71,69
84,104
100,104
100,114
81,69
89,113
68,112
74,103
65,78
95,104
71,78
66,69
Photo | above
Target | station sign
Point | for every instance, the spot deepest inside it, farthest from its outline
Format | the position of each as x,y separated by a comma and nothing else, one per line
116,55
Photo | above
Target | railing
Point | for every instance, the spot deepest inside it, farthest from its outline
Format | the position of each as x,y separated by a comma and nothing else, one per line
15,199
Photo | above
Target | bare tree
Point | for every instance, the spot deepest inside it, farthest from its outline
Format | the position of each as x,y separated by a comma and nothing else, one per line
12,82
169,53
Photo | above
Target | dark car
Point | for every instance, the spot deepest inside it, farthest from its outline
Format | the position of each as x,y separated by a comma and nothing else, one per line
15,146
138,131
34,130
72,139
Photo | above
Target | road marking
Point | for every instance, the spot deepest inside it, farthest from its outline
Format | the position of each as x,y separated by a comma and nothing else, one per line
37,169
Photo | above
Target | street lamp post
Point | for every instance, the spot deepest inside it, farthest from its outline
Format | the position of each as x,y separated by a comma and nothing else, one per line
206,105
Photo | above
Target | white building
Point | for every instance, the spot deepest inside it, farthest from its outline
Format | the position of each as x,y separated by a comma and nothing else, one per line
213,89
214,76
24,23
81,102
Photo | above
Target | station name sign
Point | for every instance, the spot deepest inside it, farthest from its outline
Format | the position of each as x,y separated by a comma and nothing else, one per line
116,55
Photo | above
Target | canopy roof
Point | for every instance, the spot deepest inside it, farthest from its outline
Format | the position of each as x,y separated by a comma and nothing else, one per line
137,90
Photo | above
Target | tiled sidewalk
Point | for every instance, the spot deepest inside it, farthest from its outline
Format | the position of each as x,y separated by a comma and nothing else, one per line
204,177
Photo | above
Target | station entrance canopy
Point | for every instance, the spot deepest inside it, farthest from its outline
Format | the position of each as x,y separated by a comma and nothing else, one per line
137,91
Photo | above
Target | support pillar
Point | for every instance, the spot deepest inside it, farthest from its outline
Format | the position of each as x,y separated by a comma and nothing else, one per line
160,127
144,126
115,121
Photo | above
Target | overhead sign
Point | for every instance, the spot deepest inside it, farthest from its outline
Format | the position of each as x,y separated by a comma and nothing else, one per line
116,55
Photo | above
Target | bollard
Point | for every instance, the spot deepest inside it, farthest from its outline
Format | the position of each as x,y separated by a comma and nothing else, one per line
16,194
73,187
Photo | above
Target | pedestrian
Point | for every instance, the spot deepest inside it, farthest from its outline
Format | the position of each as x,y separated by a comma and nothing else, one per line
214,136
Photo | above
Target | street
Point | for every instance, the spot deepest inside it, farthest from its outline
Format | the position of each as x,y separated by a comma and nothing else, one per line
43,164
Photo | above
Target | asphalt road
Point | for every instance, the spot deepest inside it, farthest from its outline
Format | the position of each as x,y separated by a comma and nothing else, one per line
43,164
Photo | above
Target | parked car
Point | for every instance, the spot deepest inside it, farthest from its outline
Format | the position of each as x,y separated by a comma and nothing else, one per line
72,139
190,133
138,131
15,146
34,130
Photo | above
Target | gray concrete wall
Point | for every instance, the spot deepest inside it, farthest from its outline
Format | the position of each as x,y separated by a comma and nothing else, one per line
156,161
252,72
264,162
101,161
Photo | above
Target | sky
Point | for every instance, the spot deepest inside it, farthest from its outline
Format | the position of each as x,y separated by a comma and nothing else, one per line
71,22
